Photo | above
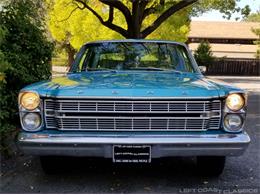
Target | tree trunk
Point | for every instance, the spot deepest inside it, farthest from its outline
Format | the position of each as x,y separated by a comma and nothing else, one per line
70,52
134,33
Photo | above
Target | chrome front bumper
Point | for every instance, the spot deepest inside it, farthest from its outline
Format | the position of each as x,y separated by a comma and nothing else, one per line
162,145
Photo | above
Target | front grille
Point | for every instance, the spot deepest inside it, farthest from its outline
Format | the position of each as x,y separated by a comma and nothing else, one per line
130,106
121,115
128,124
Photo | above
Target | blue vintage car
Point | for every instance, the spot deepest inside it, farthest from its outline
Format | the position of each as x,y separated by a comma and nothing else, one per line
133,101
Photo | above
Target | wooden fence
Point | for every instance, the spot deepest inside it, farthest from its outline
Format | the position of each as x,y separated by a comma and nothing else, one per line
242,67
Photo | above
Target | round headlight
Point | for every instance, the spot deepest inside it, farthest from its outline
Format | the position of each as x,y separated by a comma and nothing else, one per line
235,102
30,100
233,122
31,121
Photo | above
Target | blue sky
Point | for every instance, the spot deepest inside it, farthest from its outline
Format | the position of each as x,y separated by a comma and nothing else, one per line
216,16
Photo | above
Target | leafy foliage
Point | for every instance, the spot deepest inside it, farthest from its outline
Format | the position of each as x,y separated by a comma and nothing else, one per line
135,13
254,17
27,52
80,27
74,28
4,64
257,42
175,28
226,7
203,54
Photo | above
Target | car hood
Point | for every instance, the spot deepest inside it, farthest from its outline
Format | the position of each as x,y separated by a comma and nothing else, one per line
131,84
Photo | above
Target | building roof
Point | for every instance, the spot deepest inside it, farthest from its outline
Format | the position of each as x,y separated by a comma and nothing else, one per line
223,30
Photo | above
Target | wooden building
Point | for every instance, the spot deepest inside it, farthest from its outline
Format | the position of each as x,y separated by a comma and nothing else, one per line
227,39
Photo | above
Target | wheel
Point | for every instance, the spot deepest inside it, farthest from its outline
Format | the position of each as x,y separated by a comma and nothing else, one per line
50,164
210,165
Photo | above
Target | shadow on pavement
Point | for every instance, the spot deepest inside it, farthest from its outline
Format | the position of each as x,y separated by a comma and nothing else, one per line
89,166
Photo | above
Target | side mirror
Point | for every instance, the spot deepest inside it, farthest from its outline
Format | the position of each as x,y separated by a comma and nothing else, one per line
203,69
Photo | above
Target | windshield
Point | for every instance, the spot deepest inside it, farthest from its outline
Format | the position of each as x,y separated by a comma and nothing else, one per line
133,56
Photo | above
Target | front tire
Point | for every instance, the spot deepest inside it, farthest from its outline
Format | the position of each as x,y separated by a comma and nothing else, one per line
211,165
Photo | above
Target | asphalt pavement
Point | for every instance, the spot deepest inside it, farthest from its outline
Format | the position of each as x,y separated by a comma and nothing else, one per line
23,174
251,84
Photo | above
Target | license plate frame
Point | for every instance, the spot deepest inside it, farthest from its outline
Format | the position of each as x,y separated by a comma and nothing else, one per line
131,153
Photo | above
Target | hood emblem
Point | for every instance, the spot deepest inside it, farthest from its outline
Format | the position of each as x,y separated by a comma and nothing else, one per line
184,93
114,92
79,91
150,92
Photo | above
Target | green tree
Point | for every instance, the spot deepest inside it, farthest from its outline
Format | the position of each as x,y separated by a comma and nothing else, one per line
27,52
143,17
254,17
203,54
3,63
74,25
257,42
70,31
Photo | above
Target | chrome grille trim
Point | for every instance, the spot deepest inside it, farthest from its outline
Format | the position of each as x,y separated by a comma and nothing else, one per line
56,118
133,106
130,124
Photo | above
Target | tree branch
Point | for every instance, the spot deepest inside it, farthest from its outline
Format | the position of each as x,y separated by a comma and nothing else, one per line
109,22
153,8
75,9
162,2
111,14
85,5
143,5
69,15
169,12
120,6
149,11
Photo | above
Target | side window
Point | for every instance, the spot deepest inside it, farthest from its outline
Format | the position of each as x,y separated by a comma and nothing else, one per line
185,59
79,59
81,62
174,58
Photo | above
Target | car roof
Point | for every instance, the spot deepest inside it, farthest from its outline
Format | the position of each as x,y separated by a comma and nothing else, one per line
135,41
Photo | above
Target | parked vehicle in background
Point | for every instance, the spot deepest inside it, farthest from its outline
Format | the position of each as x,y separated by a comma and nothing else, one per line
133,101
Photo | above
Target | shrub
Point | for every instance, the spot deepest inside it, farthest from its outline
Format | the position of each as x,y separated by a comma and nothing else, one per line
256,31
26,54
203,54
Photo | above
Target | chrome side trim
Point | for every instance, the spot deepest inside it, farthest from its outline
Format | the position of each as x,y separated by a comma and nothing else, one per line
131,98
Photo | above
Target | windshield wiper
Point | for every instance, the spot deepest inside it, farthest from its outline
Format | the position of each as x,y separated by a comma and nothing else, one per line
102,70
148,69
177,71
156,69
